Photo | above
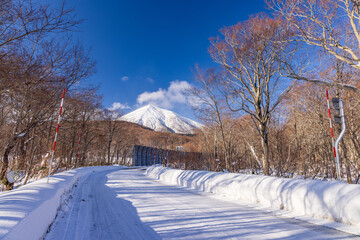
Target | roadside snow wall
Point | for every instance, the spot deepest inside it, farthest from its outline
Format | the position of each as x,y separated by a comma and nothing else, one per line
27,212
332,200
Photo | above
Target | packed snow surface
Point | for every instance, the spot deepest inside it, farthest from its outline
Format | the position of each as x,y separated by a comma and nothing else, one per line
334,201
96,211
27,212
125,204
161,120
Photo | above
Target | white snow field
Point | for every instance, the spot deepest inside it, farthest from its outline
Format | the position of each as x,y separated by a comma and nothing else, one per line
308,200
123,203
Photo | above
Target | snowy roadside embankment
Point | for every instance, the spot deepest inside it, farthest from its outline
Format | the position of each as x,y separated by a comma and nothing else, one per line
334,201
27,212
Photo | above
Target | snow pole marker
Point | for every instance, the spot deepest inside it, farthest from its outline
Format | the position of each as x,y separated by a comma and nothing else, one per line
331,127
56,133
339,118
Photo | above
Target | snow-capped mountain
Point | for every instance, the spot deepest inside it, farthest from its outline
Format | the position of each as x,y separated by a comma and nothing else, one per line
161,120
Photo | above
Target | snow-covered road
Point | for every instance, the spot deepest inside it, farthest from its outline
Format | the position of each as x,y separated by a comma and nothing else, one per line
125,204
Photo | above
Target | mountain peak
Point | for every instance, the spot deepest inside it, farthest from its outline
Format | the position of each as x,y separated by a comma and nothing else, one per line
150,107
161,120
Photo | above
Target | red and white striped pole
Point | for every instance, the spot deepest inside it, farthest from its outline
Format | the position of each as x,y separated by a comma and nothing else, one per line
331,127
56,133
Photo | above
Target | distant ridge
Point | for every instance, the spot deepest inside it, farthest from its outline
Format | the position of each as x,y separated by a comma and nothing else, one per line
161,120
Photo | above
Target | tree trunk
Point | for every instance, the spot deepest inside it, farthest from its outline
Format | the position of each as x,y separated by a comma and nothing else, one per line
5,164
29,170
265,160
22,158
108,152
265,146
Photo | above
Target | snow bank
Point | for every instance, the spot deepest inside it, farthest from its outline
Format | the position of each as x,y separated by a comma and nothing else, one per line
334,201
27,212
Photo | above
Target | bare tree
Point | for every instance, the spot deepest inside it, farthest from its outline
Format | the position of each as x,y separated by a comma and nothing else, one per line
249,53
211,107
112,126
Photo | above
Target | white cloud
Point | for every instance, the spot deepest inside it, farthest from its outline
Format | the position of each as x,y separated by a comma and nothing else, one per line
176,91
118,106
157,98
150,80
124,78
195,101
167,98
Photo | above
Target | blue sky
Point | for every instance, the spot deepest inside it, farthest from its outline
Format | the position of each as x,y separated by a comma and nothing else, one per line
145,50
